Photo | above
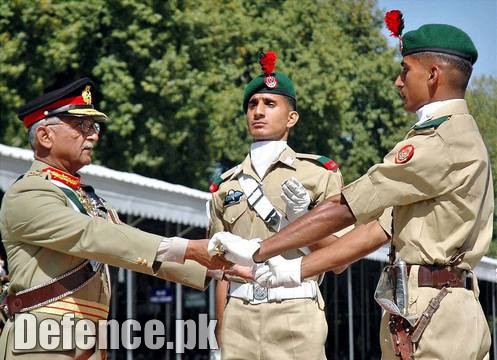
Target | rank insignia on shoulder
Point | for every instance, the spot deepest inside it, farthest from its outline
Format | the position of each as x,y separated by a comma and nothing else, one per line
328,163
214,186
404,154
232,197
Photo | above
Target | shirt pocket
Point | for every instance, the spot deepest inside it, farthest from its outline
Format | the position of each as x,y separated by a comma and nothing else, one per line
233,212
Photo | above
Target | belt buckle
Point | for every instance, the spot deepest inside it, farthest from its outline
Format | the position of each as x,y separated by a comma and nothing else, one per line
260,292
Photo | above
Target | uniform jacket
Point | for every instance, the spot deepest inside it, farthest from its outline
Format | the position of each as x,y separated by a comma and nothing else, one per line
441,194
230,211
44,237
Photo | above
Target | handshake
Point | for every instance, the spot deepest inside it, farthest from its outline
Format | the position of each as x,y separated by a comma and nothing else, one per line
275,272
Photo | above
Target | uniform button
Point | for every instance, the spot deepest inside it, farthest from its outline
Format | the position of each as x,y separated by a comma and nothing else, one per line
17,304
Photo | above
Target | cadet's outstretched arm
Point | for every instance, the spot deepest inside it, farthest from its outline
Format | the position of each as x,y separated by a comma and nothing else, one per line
330,216
359,242
351,247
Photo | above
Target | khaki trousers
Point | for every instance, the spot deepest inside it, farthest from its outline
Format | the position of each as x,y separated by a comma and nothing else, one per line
292,329
7,351
457,331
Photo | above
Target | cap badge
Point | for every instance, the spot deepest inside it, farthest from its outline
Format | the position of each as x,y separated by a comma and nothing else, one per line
86,94
404,154
271,82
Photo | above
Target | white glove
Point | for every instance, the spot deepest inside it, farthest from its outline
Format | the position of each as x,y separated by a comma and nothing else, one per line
279,271
215,354
234,248
296,197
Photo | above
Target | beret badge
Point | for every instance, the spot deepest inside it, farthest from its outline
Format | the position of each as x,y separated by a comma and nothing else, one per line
268,65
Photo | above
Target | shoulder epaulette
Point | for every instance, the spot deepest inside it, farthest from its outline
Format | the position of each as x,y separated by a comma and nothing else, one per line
33,173
214,186
325,161
432,123
37,173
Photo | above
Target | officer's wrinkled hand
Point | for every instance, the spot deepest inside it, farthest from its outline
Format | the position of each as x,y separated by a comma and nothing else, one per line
296,197
279,271
234,248
198,250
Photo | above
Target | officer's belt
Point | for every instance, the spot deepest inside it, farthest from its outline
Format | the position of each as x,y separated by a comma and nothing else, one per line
82,309
440,276
255,294
52,291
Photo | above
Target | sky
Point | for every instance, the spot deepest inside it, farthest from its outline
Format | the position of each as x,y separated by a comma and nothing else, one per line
478,18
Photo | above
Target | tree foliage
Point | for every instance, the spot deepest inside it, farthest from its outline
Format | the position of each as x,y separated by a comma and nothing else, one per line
170,75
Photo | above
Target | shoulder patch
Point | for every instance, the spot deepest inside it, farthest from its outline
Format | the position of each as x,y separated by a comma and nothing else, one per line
325,161
214,186
404,154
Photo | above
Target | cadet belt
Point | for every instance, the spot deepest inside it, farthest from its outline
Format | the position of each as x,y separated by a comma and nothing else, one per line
440,276
38,296
256,294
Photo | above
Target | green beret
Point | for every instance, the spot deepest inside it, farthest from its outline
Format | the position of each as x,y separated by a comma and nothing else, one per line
264,84
439,38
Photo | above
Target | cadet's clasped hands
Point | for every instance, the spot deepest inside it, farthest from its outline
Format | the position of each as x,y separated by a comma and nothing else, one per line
276,271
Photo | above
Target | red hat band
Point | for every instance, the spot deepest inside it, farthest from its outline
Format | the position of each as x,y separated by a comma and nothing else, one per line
39,114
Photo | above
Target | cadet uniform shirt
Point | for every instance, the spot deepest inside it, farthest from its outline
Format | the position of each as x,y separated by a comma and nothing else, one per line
259,331
438,180
439,183
230,211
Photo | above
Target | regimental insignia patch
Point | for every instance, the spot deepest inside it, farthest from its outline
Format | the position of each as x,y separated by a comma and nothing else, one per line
232,197
404,154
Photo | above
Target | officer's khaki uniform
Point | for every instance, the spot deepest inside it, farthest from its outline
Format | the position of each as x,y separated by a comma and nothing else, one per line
290,329
442,200
45,237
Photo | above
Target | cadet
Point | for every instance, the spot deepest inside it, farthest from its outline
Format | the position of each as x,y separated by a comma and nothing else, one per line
249,200
439,183
58,234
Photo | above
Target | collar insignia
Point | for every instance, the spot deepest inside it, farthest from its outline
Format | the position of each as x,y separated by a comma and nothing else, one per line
73,182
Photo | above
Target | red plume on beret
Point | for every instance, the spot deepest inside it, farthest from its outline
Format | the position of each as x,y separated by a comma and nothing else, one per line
394,22
268,62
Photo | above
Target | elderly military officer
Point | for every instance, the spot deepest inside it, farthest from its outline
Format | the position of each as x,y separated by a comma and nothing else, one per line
439,184
249,200
51,223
